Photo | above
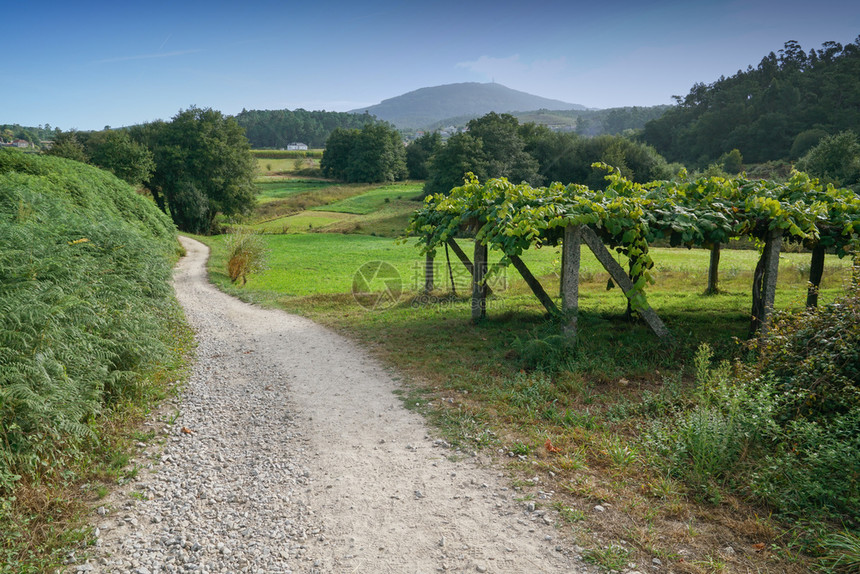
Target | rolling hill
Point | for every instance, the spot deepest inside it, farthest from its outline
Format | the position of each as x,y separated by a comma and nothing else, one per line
426,106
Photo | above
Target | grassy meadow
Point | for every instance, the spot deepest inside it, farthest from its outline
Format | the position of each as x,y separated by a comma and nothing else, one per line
588,420
272,164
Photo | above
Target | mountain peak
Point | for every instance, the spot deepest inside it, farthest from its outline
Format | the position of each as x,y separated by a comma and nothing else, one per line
425,106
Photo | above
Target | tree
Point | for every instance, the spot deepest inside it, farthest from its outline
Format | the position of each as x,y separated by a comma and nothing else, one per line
836,160
492,147
335,158
377,155
116,152
418,154
504,149
69,146
567,158
447,169
732,162
770,112
373,154
805,141
203,167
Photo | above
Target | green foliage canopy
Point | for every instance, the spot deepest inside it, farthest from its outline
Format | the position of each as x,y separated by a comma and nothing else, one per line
628,215
277,128
370,155
418,154
835,159
497,146
113,150
491,148
203,167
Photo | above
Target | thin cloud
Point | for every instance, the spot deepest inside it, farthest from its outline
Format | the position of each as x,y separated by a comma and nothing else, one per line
513,66
148,56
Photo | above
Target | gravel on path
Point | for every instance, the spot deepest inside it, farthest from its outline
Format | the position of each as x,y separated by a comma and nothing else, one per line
291,453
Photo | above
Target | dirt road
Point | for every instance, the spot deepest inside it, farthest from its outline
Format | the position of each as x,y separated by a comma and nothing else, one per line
291,453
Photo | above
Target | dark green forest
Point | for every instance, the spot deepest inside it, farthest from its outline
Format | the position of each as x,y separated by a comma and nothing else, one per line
778,110
277,128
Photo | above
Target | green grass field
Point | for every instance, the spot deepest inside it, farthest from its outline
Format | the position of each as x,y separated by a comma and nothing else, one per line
321,264
302,222
278,189
374,200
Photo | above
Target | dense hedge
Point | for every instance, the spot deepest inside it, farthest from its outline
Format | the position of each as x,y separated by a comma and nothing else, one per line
84,297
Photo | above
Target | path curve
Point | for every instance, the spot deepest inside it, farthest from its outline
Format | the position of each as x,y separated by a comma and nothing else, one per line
292,454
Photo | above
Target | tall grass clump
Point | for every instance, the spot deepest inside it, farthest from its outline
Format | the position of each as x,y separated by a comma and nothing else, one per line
707,437
85,311
246,254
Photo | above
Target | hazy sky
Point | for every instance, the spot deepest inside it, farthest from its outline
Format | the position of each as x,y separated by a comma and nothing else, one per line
87,64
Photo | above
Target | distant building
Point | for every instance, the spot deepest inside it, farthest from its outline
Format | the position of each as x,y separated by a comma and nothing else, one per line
21,143
297,146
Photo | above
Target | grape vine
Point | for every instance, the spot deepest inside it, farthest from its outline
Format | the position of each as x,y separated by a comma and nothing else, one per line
629,216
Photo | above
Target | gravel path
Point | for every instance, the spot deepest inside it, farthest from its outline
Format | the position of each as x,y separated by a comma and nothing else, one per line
292,454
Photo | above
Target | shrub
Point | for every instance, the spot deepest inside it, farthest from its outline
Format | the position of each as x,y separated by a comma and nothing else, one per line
815,357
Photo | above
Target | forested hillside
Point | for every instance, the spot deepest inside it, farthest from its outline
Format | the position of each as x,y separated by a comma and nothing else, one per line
277,128
777,110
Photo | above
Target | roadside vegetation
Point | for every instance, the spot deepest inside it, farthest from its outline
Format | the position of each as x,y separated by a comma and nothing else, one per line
90,340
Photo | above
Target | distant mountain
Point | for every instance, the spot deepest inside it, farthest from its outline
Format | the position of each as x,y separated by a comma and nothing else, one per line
426,106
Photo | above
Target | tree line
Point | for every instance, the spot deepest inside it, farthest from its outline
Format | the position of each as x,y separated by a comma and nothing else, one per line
34,135
777,110
493,146
277,128
196,166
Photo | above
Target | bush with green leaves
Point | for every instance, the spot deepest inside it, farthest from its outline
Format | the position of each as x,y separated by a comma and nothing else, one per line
84,304
815,357
812,359
835,159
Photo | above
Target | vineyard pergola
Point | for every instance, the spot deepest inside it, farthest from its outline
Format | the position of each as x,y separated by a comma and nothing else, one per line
627,217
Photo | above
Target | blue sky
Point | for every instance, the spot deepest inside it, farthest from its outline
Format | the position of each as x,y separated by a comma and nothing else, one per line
85,64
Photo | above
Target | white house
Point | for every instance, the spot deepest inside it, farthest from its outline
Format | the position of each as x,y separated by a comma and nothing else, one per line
297,146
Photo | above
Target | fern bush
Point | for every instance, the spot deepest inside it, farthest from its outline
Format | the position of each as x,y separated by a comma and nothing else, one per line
84,270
